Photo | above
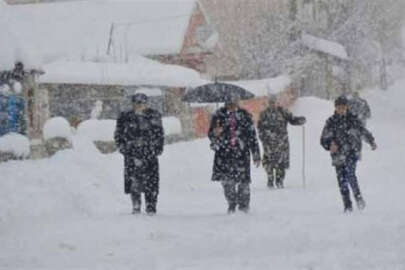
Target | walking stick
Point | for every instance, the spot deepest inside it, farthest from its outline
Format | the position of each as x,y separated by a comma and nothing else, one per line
303,157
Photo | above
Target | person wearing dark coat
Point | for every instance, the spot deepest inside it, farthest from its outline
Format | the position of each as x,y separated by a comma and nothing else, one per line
273,134
342,137
233,138
359,107
139,136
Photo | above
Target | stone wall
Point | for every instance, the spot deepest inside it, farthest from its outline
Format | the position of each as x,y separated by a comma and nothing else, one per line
76,101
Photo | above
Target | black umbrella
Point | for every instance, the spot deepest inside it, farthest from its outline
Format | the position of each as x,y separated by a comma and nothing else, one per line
216,93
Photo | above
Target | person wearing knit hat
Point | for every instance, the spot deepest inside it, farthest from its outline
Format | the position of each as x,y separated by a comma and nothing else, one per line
342,137
139,136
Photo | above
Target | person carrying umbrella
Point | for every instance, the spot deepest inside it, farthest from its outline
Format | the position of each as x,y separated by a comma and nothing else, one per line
233,138
273,133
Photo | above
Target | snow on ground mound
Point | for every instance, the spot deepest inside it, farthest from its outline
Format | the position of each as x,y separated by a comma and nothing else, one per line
97,130
57,127
69,202
14,143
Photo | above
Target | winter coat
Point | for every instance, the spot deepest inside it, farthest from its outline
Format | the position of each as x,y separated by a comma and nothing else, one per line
360,108
273,133
140,138
232,162
347,132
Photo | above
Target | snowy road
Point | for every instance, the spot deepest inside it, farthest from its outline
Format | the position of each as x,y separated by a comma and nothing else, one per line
69,212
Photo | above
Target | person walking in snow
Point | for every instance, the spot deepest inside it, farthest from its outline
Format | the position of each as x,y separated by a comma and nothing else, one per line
233,138
342,137
273,134
359,107
139,136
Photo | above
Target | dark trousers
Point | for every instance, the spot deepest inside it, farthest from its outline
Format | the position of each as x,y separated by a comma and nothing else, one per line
237,194
150,201
140,184
275,174
346,175
150,194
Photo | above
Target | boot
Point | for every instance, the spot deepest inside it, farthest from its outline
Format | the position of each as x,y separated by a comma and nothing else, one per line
270,184
348,209
280,184
231,208
361,204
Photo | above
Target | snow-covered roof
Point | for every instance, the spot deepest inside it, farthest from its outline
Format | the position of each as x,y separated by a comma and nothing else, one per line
325,46
150,92
265,87
80,29
143,71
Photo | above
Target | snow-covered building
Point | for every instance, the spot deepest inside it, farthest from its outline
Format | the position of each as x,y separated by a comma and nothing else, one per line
82,90
173,32
327,75
99,52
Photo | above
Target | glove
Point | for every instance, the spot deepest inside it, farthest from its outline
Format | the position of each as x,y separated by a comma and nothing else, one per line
373,146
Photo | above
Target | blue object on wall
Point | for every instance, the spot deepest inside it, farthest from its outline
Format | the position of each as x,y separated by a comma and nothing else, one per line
11,114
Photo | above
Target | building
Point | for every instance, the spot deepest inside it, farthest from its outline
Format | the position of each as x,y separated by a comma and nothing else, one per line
107,51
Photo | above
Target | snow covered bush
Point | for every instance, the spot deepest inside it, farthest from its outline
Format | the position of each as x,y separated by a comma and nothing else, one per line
14,146
57,135
57,127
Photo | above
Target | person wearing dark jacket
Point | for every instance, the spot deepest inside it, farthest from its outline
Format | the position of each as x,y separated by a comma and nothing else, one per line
342,137
273,133
360,108
233,138
139,136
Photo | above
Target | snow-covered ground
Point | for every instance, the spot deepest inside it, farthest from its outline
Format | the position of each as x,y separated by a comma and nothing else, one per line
69,212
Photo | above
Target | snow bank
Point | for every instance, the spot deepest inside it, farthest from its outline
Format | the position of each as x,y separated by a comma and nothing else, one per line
171,125
141,72
79,197
15,143
57,127
97,130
